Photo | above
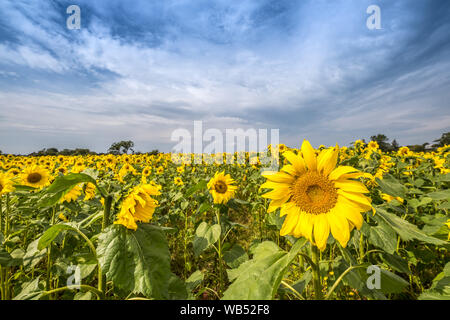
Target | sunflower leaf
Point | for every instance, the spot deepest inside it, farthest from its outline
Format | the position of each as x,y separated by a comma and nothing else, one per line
205,236
136,261
260,277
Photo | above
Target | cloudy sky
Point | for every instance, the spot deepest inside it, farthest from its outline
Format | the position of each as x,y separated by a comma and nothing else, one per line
137,70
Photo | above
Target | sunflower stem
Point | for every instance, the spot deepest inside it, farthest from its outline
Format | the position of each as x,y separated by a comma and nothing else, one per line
107,212
316,272
219,251
105,223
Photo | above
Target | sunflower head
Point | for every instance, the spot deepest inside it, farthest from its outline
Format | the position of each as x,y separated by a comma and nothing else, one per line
35,176
138,206
221,187
6,185
178,181
316,196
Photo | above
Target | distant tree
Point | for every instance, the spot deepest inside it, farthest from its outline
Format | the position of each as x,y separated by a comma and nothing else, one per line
394,145
442,141
418,147
121,147
154,152
51,152
382,141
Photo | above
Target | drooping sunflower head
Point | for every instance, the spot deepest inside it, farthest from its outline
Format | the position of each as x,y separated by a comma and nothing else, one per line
72,195
316,196
221,187
35,176
138,206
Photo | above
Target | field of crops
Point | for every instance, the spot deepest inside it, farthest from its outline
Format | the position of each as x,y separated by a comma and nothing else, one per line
332,223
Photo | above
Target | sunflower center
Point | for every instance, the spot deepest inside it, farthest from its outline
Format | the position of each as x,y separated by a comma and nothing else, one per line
221,187
34,177
314,193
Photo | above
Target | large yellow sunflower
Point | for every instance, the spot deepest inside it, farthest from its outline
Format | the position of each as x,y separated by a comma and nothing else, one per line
317,197
138,206
35,176
221,187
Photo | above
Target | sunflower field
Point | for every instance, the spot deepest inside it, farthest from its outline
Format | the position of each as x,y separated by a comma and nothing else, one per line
351,223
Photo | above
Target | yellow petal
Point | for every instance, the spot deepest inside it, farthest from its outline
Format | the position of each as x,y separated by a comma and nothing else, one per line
351,186
289,224
339,226
357,197
278,193
327,160
297,162
309,155
280,177
321,231
339,171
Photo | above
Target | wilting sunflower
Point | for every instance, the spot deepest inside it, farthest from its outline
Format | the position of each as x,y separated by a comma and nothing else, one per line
6,184
138,206
221,187
72,195
89,191
35,176
317,197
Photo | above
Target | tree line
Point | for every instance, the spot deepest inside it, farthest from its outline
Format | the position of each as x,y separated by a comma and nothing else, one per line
126,147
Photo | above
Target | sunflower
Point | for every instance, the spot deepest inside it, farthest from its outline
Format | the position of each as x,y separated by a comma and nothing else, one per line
6,184
35,176
221,187
89,191
317,197
138,206
72,195
160,170
146,171
178,181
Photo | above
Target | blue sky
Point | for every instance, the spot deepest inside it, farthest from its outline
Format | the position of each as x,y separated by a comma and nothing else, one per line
137,70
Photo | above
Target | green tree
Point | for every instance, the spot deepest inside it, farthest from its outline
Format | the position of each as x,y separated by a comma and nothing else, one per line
121,147
394,145
442,141
382,141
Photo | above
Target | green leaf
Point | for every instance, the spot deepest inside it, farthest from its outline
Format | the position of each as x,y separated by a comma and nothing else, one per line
205,236
33,255
136,261
30,290
205,206
396,262
260,277
384,237
5,258
194,280
177,288
199,186
301,284
440,195
51,233
406,230
235,256
392,283
64,183
392,186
